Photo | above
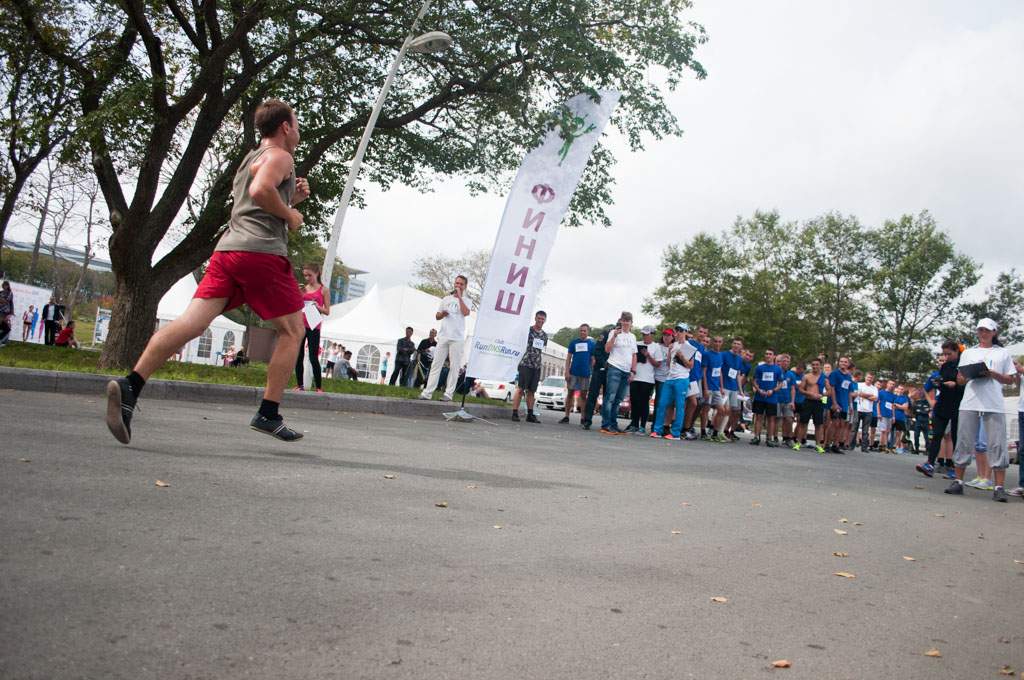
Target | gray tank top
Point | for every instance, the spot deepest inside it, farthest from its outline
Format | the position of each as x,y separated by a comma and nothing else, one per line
252,229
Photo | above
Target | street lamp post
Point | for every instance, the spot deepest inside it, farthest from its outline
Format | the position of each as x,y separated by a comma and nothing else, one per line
435,41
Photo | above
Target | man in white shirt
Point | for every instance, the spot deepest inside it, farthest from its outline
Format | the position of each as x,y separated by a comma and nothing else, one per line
983,401
452,313
867,395
621,348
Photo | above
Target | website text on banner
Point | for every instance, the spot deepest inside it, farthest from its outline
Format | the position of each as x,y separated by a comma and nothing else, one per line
535,207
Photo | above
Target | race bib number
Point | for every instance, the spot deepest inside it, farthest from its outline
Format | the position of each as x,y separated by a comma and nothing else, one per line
733,373
846,384
783,385
581,347
716,372
538,343
697,356
768,377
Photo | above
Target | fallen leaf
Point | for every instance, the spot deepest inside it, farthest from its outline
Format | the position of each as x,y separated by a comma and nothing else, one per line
686,504
24,460
917,487
958,512
580,496
843,520
840,532
159,483
749,515
835,494
677,532
389,476
857,524
781,663
839,554
440,505
933,652
719,599
909,559
496,526
1005,670
1005,640
843,574
470,486
1018,561
939,514
757,505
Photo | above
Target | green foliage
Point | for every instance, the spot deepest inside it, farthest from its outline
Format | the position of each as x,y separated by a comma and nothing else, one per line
700,283
1003,301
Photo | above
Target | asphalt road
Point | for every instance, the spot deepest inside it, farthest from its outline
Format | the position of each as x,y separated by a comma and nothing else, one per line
271,560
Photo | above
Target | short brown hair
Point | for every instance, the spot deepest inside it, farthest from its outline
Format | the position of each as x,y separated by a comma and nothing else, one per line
270,115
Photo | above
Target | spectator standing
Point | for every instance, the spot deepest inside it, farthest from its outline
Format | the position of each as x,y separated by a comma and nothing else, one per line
621,348
384,367
922,413
425,357
312,297
53,315
6,310
403,358
452,313
598,373
947,405
679,360
648,357
529,368
579,365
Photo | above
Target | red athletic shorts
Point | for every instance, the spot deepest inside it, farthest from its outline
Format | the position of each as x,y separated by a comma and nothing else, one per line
264,282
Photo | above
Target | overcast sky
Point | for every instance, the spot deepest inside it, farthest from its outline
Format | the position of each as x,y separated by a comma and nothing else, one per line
875,109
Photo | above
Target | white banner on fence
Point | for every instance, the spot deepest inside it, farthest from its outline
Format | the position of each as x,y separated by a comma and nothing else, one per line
535,207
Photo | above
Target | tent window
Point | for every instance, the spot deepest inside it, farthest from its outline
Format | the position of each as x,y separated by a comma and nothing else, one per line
205,344
229,342
368,362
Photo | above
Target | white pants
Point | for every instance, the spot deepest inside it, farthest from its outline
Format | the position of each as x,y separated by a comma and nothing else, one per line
445,348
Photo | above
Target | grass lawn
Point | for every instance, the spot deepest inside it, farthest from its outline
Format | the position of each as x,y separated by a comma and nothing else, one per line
50,358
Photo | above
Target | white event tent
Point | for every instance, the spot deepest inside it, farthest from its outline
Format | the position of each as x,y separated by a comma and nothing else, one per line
215,340
370,326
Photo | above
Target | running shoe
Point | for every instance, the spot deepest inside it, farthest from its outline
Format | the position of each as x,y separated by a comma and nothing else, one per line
1018,492
955,488
605,430
641,431
275,428
819,449
771,444
515,416
688,436
796,447
925,468
655,435
319,389
973,482
985,485
756,441
999,495
835,449
120,408
631,429
670,436
564,420
297,389
949,474
530,418
720,439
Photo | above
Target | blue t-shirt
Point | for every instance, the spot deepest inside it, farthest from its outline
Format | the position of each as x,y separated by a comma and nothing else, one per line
932,384
698,364
841,386
580,351
713,370
745,368
798,396
788,393
732,365
885,399
900,414
853,399
767,377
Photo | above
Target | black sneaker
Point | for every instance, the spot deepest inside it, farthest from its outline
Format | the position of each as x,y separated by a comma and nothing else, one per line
955,488
275,428
835,449
771,444
998,494
755,441
530,418
120,407
515,416
564,420
585,426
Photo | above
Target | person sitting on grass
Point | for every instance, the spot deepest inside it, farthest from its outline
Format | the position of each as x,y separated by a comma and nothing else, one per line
66,338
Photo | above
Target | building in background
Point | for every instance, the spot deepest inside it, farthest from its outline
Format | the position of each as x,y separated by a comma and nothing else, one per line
345,287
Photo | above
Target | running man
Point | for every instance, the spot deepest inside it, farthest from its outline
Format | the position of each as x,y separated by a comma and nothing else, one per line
249,265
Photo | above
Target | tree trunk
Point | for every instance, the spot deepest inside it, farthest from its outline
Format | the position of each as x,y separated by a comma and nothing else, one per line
132,322
43,212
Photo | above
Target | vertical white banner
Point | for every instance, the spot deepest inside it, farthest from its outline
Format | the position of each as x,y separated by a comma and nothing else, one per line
535,207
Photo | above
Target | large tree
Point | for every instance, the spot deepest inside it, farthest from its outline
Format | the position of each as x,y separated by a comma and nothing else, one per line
1003,302
919,278
165,86
698,285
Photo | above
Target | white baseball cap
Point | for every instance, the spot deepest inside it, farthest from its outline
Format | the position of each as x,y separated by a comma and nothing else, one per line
647,330
989,324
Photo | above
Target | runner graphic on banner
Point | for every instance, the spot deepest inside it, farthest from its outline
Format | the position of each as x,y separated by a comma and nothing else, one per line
535,207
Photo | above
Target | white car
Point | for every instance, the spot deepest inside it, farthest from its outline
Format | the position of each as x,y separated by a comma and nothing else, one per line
552,392
498,389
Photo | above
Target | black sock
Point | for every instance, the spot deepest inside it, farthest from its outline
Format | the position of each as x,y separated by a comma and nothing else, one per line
136,382
268,409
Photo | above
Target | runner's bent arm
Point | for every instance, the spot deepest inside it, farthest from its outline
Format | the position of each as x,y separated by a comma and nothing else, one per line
267,173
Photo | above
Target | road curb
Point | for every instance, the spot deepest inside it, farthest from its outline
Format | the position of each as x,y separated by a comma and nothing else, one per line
37,380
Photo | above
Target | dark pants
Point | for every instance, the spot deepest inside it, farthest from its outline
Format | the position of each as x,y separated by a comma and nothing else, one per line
639,398
921,428
313,339
1020,447
50,331
596,383
403,368
939,429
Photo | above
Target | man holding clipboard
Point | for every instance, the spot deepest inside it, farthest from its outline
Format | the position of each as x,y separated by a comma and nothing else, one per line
983,370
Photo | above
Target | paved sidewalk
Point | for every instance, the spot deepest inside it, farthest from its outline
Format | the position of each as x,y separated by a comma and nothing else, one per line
65,382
